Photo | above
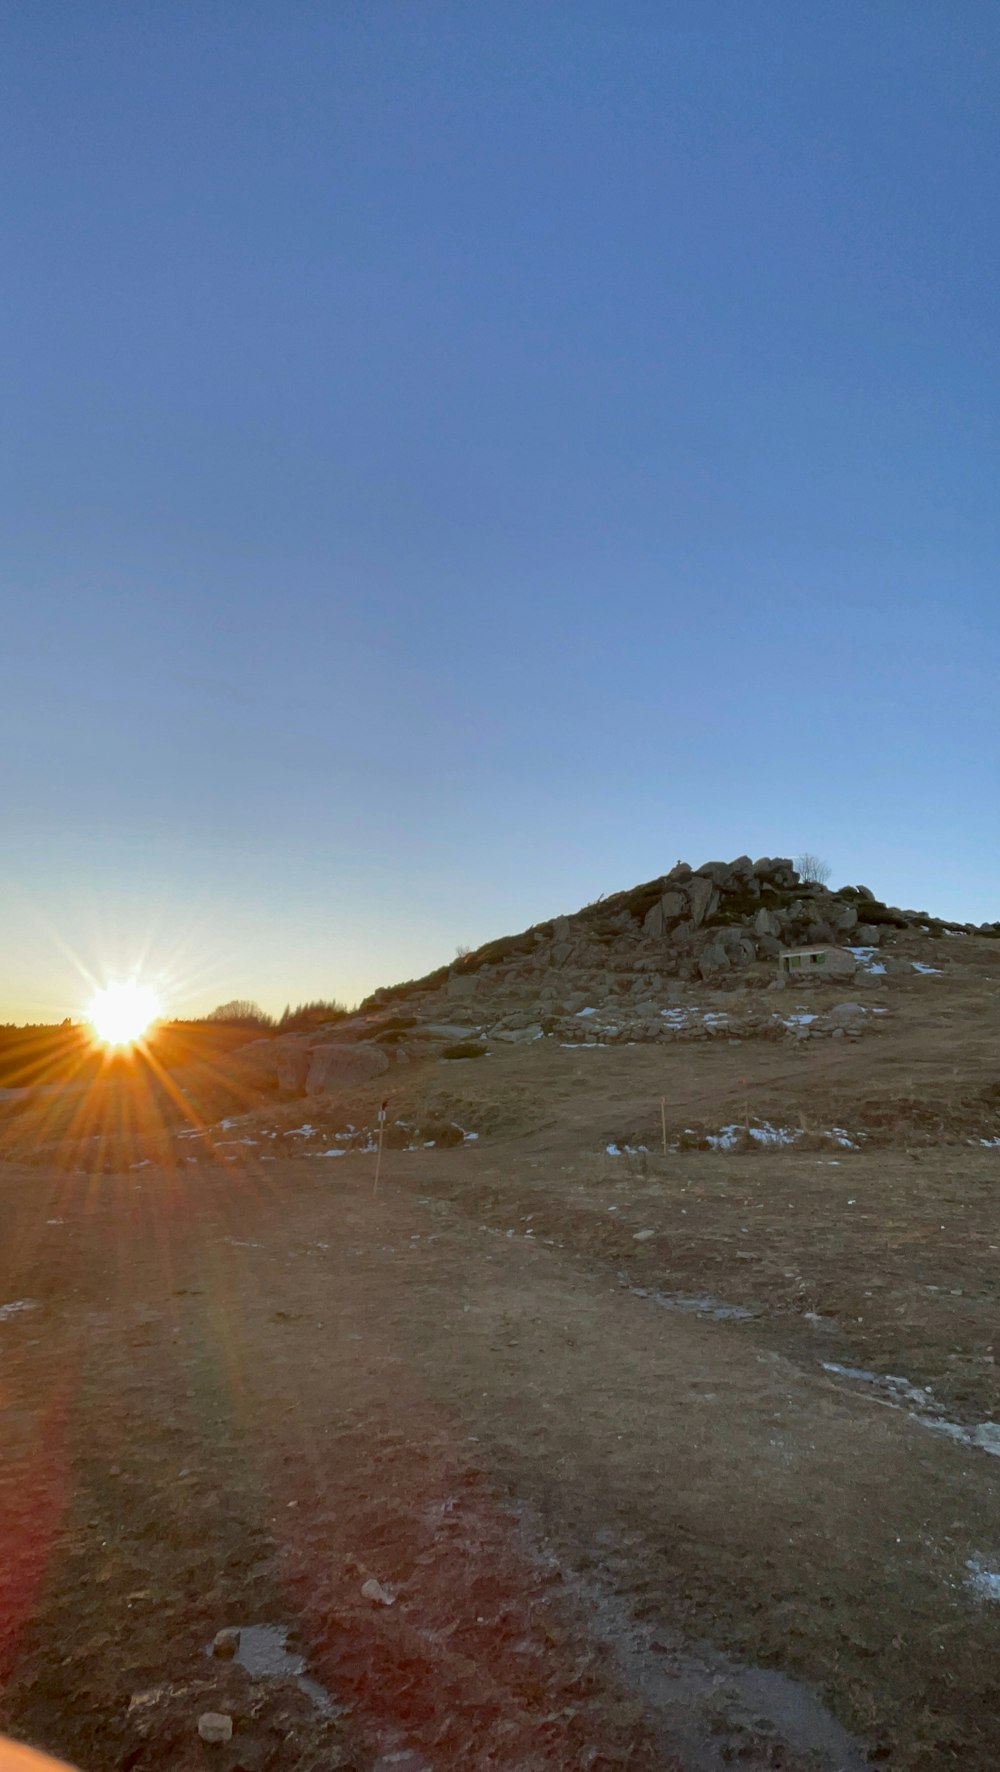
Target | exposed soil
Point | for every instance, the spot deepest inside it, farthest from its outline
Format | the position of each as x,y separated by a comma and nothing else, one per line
638,1450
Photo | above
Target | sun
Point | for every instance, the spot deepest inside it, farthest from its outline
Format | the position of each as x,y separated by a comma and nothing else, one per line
121,1013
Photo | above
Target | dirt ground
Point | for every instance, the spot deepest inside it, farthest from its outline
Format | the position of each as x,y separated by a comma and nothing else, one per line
541,1456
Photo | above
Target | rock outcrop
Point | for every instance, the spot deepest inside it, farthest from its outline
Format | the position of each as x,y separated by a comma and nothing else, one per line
662,961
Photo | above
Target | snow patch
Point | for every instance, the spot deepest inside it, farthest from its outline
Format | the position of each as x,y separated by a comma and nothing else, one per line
983,1579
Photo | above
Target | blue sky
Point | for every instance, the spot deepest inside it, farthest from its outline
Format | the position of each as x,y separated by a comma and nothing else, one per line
458,460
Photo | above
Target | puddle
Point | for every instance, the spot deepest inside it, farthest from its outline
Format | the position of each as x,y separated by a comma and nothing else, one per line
263,1652
714,1710
922,1407
702,1306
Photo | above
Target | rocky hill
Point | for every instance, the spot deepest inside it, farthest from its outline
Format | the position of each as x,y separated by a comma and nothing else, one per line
630,968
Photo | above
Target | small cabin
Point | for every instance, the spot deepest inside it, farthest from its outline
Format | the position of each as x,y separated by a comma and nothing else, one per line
799,965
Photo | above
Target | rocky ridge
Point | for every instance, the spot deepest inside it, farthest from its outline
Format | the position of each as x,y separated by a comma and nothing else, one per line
634,967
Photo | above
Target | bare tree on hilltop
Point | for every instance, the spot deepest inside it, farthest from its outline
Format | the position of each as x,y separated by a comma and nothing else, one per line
813,869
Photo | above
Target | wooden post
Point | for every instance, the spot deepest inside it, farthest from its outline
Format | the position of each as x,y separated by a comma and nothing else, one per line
663,1121
381,1135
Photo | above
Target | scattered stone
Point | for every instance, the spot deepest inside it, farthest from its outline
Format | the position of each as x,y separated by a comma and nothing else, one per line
215,1728
642,1236
225,1643
379,1595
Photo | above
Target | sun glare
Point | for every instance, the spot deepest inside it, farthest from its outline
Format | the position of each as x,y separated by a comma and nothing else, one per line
121,1013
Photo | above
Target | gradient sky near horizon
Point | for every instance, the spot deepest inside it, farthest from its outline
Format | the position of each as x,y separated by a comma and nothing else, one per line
458,460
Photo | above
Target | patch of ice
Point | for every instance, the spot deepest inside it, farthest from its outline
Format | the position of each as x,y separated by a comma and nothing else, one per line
144,1163
929,971
728,1138
582,1012
12,1310
983,1579
802,1020
924,1407
305,1131
627,1150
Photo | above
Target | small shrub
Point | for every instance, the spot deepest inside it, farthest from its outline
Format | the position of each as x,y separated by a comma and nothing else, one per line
813,869
308,1016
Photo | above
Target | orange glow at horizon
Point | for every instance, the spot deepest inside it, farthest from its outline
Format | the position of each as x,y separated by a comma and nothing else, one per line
123,1012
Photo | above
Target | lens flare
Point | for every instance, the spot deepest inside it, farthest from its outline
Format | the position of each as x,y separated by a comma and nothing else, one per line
121,1013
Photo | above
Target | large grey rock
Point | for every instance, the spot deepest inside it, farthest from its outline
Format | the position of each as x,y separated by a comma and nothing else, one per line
703,896
679,874
215,1727
343,1067
840,964
847,1012
719,872
766,923
652,922
843,918
461,984
673,905
713,959
817,933
518,1036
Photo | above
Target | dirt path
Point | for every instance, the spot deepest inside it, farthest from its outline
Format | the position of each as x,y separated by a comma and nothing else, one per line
609,1534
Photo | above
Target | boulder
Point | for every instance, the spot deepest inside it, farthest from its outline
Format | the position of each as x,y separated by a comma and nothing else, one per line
518,1036
679,874
461,984
719,872
342,1067
703,895
766,923
673,906
843,918
840,964
843,1012
652,922
713,959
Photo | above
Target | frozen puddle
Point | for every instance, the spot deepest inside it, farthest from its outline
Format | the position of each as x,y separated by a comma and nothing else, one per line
984,1579
921,1406
702,1306
715,1711
264,1653
7,1311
